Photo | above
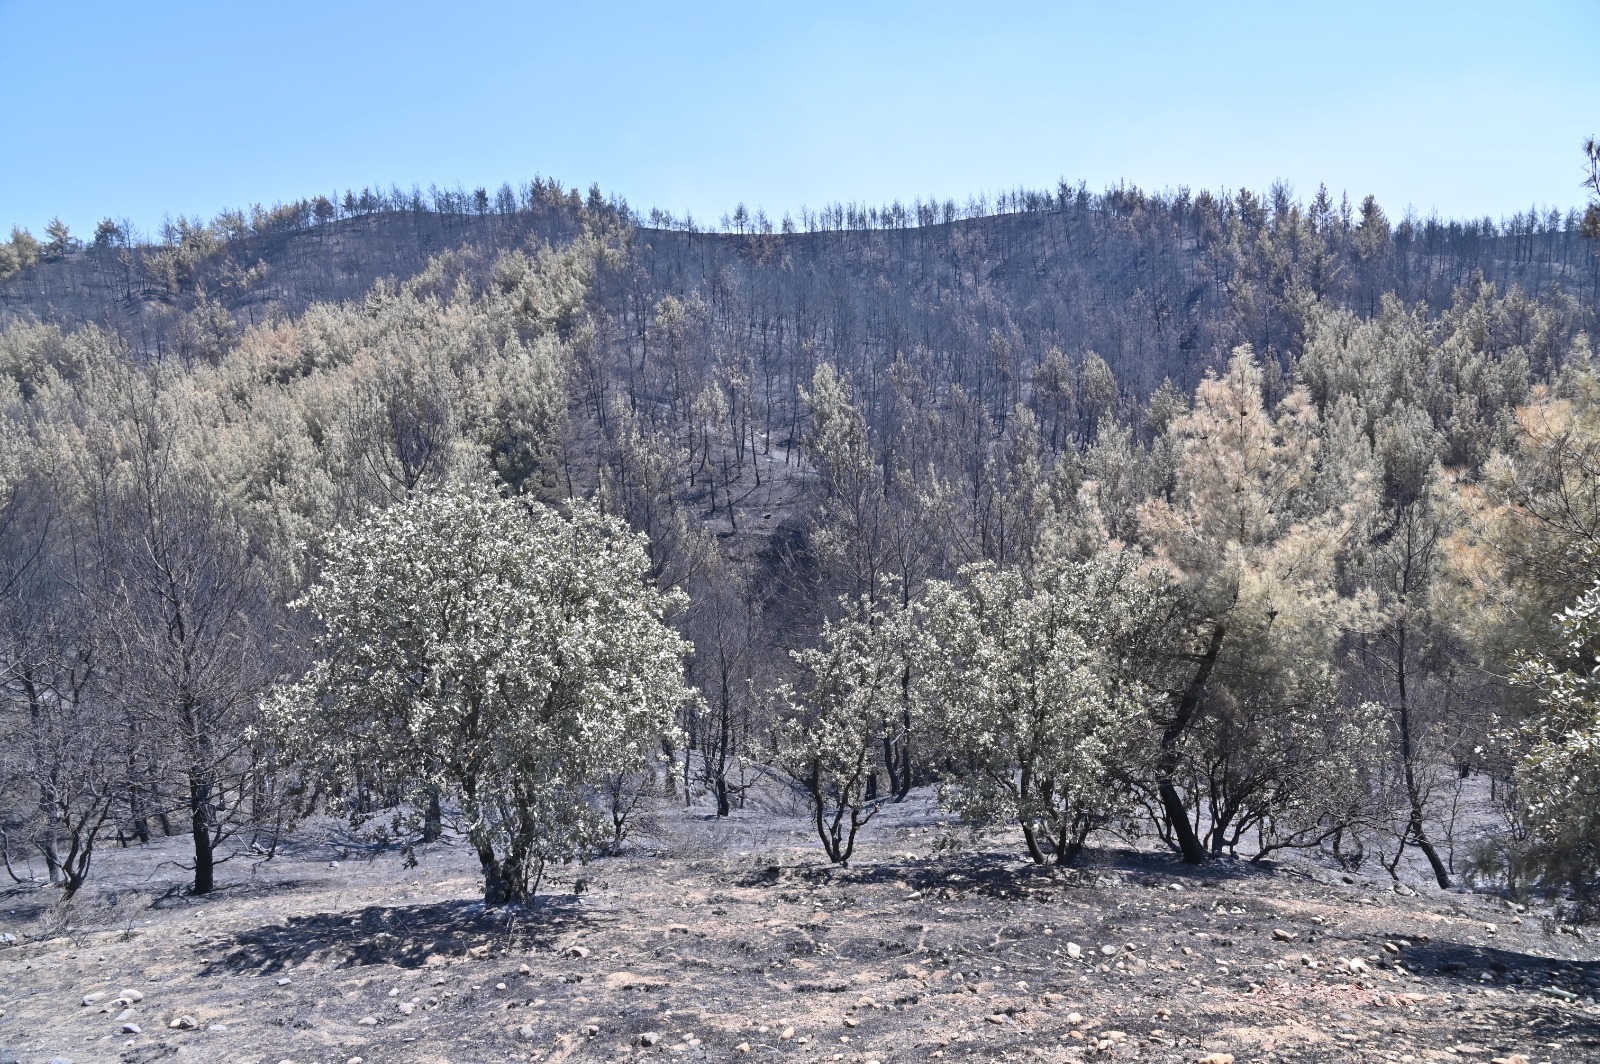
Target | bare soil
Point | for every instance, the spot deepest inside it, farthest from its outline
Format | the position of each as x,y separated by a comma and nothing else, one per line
733,940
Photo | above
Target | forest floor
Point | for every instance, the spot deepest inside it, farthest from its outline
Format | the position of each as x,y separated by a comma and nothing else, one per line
733,940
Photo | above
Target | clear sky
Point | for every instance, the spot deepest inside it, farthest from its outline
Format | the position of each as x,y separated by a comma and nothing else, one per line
182,107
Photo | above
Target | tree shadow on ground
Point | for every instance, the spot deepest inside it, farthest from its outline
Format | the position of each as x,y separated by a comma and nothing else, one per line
1006,875
404,936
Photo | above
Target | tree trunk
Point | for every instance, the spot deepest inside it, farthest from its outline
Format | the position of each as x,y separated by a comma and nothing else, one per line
200,822
1188,706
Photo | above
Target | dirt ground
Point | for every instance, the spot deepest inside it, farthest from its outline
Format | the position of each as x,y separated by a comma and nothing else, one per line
734,940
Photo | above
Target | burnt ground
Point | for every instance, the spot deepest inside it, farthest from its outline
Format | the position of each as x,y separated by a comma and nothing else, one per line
734,940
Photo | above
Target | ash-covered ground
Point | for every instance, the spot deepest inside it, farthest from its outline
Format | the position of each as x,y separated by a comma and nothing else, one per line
734,940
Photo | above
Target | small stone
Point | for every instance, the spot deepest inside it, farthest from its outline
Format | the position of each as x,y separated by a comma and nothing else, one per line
132,997
499,986
1391,947
94,998
577,952
590,1030
1356,964
284,981
996,1018
368,1021
523,969
219,1027
354,1060
1108,951
1280,935
650,1038
1217,1058
1074,950
406,1008
125,1015
1074,1018
742,1047
479,952
527,1031
851,1021
131,1028
788,1033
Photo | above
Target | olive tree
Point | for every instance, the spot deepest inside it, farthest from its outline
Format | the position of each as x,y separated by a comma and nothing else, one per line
827,734
497,653
1558,774
1037,696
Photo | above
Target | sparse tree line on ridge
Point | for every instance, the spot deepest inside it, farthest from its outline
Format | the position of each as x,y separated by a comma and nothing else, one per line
517,544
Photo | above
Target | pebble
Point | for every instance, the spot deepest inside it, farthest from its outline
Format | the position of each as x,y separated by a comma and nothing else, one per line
184,1023
742,1047
523,969
368,1021
1217,1058
578,952
284,981
650,1038
406,1008
125,1015
1280,935
94,998
788,1033
132,997
590,1030
1109,951
131,1028
1074,950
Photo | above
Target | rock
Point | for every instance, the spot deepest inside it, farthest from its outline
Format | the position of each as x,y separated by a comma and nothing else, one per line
1515,1058
285,981
125,1015
1391,947
1280,935
1356,964
131,1028
132,997
523,969
742,1047
1074,950
851,1021
1108,951
997,1018
650,1038
478,953
577,952
367,1021
218,1027
183,1023
406,1008
527,1031
788,1033
677,929
590,1030
1217,1058
1074,1018
94,998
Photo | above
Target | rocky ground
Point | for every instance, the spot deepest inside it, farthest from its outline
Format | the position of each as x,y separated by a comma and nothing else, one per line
734,941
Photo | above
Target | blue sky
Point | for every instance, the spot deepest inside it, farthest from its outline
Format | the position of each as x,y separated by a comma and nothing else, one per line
145,110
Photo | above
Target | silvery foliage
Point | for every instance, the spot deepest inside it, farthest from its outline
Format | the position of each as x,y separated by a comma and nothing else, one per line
1034,691
826,737
494,652
1558,776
